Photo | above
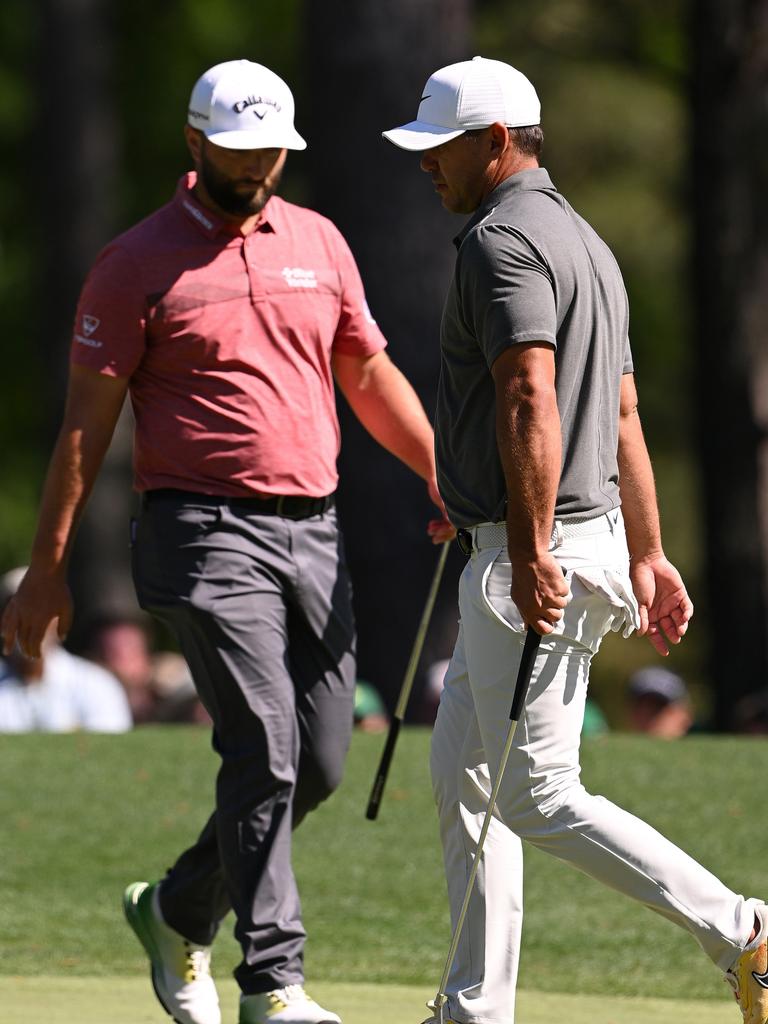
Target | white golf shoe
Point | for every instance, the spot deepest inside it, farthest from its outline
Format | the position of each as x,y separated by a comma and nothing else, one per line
181,971
289,1005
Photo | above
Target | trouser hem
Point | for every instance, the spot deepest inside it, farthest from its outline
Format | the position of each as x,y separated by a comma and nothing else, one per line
259,985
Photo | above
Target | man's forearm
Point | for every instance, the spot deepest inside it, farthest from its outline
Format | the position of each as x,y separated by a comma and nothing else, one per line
93,406
389,409
71,474
529,440
528,436
637,488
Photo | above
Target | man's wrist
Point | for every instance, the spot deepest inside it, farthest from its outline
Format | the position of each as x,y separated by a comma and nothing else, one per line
529,545
49,565
647,556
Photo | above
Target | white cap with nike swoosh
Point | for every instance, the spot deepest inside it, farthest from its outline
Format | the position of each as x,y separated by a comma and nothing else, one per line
471,94
243,105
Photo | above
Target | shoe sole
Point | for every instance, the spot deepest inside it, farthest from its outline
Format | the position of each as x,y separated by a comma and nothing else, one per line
131,898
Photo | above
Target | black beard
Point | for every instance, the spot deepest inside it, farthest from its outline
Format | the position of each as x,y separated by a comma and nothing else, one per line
223,192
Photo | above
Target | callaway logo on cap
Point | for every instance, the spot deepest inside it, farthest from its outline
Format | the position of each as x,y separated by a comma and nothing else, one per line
242,105
471,94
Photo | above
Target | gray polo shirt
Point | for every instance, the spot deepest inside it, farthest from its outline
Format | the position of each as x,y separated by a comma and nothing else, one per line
529,268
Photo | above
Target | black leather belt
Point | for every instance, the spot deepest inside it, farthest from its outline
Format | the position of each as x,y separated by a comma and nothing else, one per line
464,540
291,506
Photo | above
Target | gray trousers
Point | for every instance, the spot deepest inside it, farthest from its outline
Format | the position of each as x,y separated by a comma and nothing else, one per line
261,607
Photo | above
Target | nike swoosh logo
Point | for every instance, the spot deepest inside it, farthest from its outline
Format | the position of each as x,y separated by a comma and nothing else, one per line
428,96
761,979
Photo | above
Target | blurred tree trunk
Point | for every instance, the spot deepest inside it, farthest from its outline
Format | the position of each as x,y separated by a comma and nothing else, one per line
366,65
730,180
77,156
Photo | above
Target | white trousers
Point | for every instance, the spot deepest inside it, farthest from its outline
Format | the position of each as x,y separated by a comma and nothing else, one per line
541,799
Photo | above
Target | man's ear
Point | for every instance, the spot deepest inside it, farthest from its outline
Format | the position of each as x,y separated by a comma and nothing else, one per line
499,138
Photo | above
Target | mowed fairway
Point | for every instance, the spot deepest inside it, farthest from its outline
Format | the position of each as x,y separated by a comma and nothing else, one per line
84,815
128,1001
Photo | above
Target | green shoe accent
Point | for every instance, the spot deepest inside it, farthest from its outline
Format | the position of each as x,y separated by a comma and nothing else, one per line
180,969
137,905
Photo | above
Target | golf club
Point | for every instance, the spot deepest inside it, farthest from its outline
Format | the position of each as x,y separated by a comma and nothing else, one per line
530,648
380,780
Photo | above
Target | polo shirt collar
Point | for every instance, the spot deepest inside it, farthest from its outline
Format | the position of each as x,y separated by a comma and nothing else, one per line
535,179
206,220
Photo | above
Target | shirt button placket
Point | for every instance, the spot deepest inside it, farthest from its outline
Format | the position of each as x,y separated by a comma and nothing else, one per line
255,279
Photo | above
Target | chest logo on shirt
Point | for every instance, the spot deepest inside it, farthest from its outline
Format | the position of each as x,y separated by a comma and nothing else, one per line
90,323
298,277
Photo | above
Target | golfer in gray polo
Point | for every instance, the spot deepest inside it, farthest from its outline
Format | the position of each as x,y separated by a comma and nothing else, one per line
543,467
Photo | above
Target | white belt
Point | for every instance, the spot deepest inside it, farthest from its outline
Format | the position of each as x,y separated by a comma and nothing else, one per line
494,535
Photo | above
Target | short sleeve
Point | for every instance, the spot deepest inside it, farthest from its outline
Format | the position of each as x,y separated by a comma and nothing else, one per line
629,365
357,333
109,331
506,290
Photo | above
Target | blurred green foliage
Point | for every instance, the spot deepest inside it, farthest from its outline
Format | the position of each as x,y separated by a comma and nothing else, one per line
613,78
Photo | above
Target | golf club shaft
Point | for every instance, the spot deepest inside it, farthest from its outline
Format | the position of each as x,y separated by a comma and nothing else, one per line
405,690
527,661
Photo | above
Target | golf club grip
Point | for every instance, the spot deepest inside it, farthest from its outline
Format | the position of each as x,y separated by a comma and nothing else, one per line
377,791
527,661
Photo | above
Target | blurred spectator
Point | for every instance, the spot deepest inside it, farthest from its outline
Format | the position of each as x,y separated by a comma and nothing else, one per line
175,692
370,713
595,722
159,686
658,703
58,692
750,714
120,643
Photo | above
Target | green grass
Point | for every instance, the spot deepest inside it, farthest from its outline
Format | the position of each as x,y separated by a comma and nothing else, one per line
83,815
56,1000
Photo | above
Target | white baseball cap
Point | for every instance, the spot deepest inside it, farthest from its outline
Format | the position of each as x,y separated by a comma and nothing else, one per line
242,105
471,94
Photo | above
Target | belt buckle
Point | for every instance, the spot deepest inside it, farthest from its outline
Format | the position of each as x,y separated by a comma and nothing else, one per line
280,505
464,540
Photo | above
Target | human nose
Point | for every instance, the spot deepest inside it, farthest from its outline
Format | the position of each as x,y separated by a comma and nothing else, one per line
259,162
428,162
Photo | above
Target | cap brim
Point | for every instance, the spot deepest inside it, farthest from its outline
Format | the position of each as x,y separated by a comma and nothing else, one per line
281,139
417,135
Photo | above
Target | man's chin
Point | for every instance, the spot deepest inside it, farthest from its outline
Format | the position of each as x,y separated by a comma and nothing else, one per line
451,205
240,204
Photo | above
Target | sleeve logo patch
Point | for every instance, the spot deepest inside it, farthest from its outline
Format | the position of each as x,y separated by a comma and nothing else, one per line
89,325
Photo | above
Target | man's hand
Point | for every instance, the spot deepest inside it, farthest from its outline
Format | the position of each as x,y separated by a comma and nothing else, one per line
665,608
38,602
441,529
540,592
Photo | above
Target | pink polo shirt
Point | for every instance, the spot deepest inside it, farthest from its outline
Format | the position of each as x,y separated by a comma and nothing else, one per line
227,341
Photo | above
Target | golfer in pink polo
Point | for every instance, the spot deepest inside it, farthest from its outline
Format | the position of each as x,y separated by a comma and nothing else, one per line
227,315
